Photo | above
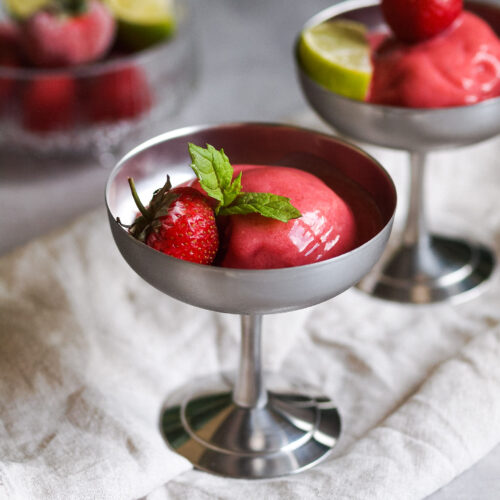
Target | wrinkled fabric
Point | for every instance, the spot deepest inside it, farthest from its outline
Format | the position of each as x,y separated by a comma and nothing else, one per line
89,352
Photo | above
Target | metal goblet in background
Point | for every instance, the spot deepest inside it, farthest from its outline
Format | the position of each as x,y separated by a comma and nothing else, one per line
423,267
248,427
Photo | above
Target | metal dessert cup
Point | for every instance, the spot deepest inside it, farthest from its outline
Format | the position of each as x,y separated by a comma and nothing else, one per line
421,267
247,428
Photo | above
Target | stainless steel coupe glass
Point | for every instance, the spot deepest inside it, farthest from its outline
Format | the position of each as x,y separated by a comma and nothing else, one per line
248,426
421,267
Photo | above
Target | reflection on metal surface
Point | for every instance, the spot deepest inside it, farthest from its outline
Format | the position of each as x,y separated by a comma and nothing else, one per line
446,268
290,433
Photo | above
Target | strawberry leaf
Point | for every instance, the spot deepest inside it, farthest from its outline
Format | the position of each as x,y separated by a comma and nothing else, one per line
266,204
158,207
72,7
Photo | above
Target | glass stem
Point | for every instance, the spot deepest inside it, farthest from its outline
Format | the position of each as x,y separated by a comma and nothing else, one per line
415,232
249,390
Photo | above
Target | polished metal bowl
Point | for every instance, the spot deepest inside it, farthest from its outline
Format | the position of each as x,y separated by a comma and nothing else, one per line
248,427
411,129
241,291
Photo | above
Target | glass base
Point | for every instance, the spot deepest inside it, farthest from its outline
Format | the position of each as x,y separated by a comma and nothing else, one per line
293,431
443,269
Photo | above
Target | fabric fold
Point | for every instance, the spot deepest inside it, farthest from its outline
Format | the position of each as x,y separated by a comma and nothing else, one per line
88,354
445,426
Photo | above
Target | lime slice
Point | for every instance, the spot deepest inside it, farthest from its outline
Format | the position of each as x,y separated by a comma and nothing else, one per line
24,8
142,23
336,54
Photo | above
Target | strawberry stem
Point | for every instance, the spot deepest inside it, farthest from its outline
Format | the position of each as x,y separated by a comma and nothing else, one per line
72,7
144,211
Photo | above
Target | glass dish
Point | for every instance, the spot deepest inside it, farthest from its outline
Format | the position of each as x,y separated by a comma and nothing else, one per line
146,88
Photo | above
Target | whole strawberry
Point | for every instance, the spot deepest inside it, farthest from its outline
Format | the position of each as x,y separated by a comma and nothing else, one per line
68,32
179,222
9,41
9,58
120,94
49,103
417,20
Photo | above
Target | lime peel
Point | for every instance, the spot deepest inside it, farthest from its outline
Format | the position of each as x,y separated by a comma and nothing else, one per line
142,23
336,54
22,9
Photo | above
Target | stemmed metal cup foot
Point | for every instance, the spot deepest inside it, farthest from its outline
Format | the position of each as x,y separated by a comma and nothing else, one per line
425,268
244,429
447,269
290,433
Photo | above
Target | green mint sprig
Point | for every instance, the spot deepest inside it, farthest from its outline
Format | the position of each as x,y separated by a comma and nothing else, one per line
215,173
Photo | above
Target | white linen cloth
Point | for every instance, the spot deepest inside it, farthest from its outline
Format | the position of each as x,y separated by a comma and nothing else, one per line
88,353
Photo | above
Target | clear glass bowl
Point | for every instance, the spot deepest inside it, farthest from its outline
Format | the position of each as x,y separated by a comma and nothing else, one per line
102,106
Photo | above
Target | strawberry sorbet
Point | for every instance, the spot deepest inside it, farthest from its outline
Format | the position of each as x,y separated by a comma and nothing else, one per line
328,227
457,67
332,222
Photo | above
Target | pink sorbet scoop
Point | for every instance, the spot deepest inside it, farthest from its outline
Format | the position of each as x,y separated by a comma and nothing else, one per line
458,67
326,229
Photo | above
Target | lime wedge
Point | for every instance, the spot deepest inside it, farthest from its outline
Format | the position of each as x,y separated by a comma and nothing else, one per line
24,8
142,23
336,54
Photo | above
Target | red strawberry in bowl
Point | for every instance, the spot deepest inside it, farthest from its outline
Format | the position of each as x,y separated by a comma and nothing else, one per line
9,40
417,20
9,58
179,222
119,94
6,85
68,32
49,103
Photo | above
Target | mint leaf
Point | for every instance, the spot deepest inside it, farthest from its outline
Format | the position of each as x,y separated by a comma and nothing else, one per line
215,174
233,191
266,204
213,170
